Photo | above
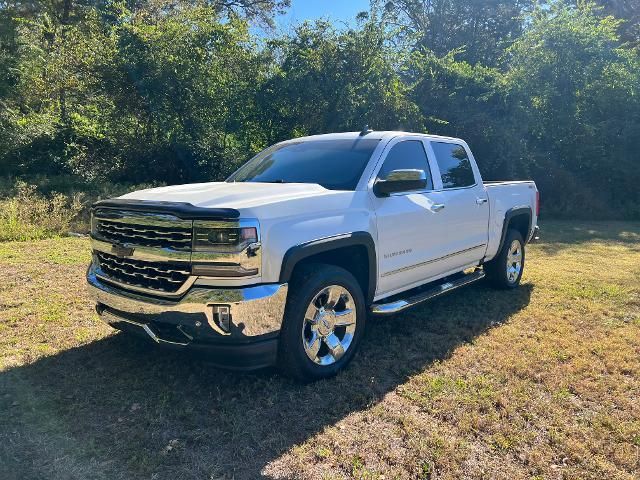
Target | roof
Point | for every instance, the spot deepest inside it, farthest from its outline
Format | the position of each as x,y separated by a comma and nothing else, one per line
375,134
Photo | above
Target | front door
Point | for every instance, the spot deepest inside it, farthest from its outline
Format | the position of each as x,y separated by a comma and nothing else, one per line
410,224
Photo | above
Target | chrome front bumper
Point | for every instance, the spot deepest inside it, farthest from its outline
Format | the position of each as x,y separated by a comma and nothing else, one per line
256,312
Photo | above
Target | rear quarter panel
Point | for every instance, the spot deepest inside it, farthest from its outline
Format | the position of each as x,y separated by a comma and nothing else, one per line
504,196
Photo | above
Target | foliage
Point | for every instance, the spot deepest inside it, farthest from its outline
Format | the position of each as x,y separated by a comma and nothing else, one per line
30,216
580,94
171,91
480,29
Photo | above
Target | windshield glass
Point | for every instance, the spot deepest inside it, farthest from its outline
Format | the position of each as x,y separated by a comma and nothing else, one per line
334,164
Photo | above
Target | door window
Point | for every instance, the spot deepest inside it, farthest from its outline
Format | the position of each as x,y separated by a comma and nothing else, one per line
407,155
454,164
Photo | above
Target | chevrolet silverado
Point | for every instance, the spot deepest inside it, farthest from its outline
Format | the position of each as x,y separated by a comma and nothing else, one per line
282,263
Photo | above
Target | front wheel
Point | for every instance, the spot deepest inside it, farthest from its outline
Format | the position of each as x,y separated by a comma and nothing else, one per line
323,324
505,270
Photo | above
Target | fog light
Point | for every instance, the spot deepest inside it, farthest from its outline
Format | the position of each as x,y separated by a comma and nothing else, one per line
221,318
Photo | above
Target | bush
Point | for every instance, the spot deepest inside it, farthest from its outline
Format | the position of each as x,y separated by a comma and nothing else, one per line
29,215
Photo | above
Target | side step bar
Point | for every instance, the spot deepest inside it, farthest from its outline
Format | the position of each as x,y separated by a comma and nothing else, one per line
401,304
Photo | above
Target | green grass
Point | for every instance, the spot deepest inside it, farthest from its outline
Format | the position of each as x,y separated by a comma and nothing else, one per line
541,382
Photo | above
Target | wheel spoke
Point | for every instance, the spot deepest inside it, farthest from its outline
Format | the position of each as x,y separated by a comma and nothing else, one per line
333,297
313,346
335,347
345,318
311,315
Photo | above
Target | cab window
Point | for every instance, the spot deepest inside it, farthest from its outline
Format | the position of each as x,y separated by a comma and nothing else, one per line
407,155
454,164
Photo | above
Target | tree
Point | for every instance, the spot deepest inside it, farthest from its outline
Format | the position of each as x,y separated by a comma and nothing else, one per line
580,91
479,30
327,80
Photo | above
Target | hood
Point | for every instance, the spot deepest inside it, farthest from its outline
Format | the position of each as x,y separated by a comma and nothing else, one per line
231,195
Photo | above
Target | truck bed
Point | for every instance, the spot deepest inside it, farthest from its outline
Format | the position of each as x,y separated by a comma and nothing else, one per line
503,196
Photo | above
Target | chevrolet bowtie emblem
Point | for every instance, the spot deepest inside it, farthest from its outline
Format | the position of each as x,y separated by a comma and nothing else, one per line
121,251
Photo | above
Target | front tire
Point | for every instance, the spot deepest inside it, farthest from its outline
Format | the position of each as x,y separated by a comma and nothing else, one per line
505,270
324,322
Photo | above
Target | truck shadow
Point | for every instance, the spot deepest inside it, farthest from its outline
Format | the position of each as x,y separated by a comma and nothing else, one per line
118,408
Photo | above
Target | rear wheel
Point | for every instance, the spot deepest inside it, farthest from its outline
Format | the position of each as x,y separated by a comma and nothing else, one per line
505,270
323,324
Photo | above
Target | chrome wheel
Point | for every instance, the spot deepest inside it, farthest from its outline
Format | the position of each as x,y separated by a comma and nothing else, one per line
329,325
514,261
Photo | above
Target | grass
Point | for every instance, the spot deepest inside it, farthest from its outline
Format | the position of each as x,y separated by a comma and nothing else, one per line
541,382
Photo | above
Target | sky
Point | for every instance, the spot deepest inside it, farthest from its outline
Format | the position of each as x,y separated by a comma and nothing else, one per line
337,10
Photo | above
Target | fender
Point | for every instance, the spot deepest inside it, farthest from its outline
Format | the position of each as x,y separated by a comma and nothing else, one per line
304,250
513,212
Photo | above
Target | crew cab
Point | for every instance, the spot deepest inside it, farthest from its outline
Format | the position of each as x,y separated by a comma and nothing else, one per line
282,263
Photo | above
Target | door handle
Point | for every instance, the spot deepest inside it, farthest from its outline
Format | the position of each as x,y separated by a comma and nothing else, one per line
436,207
480,201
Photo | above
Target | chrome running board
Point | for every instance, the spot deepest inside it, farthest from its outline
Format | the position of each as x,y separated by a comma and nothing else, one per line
412,300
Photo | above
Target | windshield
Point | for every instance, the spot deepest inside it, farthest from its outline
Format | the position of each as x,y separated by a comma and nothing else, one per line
334,164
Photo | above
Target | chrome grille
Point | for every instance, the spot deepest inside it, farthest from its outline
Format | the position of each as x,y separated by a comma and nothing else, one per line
171,237
152,276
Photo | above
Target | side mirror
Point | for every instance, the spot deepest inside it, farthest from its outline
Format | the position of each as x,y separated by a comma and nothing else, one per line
400,181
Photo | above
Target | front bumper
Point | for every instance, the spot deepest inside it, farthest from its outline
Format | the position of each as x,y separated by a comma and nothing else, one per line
256,314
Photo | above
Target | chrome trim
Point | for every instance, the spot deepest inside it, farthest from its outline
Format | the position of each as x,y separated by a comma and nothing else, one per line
514,261
455,188
255,310
136,240
178,293
248,259
148,254
152,291
406,174
151,230
109,318
411,267
402,304
330,321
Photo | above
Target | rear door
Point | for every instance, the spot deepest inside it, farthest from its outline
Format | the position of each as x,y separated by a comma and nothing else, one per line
459,189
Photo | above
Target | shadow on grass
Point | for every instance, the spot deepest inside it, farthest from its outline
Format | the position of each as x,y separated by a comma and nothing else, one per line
557,236
117,408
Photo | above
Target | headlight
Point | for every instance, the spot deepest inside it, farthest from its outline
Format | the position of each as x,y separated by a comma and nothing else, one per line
221,239
226,249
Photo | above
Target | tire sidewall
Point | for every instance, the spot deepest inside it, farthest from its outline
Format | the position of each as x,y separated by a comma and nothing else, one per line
306,286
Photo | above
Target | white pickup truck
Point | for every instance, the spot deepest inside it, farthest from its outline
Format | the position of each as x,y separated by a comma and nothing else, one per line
283,262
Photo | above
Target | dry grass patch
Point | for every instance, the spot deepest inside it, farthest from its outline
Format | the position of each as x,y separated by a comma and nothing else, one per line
541,382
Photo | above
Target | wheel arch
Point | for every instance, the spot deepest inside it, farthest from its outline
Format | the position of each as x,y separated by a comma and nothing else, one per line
520,219
355,252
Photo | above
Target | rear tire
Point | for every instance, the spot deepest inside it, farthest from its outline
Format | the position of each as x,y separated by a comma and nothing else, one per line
324,322
505,270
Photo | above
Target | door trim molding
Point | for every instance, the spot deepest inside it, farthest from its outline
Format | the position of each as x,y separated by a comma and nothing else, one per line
417,265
